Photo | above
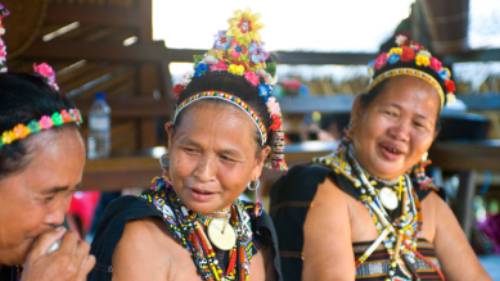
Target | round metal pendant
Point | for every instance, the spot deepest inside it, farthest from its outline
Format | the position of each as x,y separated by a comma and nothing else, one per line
221,234
389,198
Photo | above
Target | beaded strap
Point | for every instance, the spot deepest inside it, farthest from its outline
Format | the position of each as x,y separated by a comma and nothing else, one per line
406,71
218,95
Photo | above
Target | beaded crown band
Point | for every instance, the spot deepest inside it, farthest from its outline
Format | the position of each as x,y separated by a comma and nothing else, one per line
239,51
57,119
408,58
218,95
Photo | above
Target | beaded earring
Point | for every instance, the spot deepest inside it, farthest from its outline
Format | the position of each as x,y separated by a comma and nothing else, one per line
424,181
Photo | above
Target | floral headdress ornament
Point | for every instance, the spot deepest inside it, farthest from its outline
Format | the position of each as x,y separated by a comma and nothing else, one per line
410,58
47,73
3,49
56,119
240,52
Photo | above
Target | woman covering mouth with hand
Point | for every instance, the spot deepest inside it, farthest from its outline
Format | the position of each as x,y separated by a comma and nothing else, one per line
41,164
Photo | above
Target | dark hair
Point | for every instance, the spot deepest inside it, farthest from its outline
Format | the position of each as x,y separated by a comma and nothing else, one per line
24,97
235,85
367,98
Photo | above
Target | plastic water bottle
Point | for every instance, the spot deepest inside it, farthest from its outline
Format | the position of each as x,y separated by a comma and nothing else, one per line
99,139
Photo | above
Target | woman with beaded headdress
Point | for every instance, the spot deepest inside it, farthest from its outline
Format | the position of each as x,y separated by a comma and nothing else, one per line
373,212
191,225
41,163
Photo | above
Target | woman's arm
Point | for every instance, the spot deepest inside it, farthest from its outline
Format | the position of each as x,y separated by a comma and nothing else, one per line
327,253
458,260
262,266
138,255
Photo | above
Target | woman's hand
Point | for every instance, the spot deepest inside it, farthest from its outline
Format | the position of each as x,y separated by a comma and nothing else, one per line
71,262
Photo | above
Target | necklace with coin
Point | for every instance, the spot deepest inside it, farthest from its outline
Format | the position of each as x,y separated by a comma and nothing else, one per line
221,233
388,198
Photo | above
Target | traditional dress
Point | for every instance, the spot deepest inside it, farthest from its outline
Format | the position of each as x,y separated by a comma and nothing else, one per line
397,254
189,230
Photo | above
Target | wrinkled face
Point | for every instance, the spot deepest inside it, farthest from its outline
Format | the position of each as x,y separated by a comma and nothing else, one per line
36,198
213,155
393,132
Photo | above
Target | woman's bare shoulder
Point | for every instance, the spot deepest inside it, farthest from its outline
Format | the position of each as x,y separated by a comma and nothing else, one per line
144,251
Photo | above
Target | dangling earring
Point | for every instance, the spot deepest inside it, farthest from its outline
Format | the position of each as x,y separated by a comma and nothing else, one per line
254,186
421,177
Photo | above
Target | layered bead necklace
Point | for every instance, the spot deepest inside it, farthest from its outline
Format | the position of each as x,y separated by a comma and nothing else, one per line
199,234
398,234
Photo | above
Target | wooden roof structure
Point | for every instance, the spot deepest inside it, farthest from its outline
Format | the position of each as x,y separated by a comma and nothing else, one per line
97,46
107,46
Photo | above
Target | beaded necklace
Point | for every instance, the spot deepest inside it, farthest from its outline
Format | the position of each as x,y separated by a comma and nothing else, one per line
399,234
188,228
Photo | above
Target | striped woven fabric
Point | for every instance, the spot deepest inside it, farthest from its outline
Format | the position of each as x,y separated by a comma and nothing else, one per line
377,265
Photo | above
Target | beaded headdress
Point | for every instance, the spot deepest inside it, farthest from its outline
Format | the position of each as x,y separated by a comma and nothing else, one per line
239,51
409,58
56,119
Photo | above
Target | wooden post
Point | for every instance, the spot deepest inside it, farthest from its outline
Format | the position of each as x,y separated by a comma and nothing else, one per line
463,207
147,77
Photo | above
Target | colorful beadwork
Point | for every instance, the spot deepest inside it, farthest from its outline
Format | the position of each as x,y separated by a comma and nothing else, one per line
256,119
398,235
239,51
47,73
3,49
57,119
188,228
411,55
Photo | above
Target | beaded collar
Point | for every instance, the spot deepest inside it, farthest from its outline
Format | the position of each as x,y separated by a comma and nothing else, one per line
397,233
187,228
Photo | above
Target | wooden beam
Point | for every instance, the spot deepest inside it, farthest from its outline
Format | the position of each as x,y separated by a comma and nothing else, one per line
156,51
119,173
324,58
467,156
479,55
289,57
145,11
133,107
109,52
148,80
58,13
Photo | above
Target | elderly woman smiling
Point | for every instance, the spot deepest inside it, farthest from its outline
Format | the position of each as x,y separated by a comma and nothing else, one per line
374,214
